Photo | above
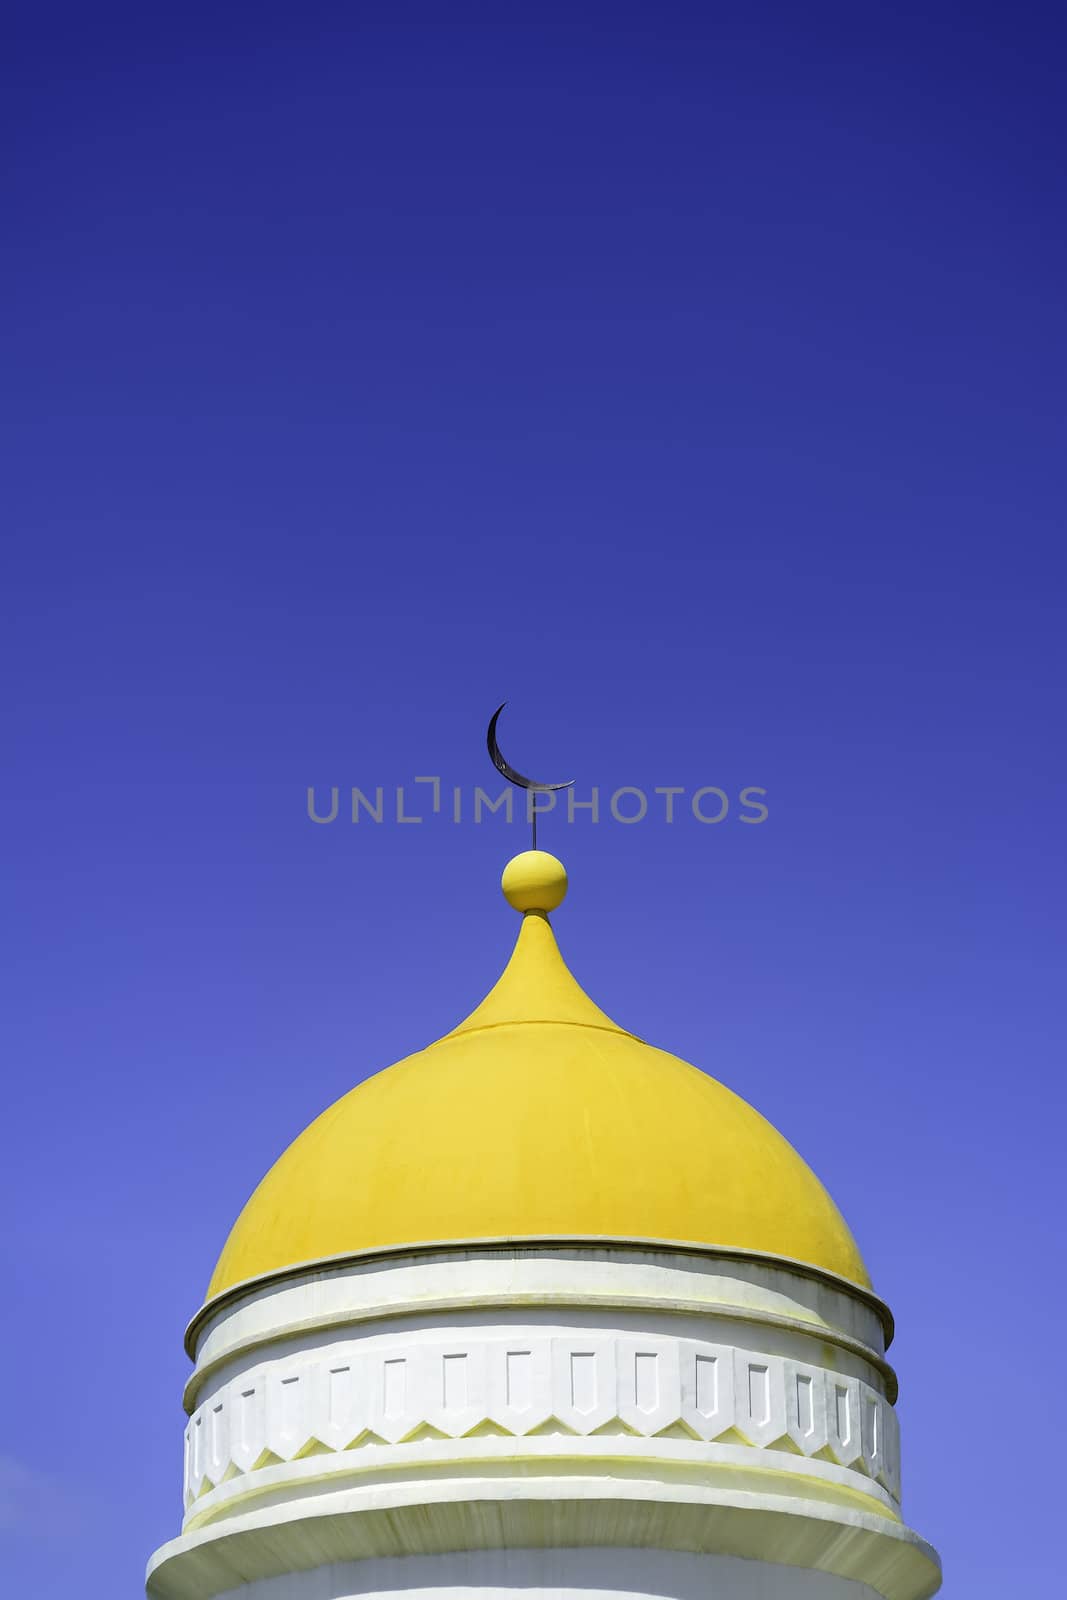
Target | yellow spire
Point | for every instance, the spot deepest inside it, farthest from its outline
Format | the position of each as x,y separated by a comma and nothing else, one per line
536,985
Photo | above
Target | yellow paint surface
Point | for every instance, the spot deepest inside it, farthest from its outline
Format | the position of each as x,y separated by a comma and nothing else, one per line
537,1116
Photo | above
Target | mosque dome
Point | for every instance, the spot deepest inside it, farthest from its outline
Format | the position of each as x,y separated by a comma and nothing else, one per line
537,1118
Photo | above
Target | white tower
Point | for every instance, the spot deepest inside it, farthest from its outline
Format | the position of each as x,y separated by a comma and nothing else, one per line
541,1310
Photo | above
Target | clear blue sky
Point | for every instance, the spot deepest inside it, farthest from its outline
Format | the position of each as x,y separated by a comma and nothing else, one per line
691,376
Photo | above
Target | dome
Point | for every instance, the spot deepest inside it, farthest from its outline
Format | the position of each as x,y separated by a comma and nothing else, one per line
538,1117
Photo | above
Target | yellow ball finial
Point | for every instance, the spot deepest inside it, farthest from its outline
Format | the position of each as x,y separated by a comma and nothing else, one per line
534,881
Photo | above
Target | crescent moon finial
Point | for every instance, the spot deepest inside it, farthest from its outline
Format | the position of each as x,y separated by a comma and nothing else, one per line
506,770
504,767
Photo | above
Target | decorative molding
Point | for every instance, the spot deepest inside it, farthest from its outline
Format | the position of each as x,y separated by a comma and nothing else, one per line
515,1248
610,1283
525,1382
417,1516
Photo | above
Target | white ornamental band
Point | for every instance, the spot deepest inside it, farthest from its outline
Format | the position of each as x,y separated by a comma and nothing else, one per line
359,1394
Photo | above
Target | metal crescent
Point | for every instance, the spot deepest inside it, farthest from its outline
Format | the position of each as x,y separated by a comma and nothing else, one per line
507,770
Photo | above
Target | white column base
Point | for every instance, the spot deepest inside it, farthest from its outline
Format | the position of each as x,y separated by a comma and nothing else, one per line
601,1420
556,1575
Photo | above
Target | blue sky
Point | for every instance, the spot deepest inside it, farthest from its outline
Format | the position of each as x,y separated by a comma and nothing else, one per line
691,377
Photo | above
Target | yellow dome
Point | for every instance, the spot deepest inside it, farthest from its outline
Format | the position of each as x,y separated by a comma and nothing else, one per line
537,1117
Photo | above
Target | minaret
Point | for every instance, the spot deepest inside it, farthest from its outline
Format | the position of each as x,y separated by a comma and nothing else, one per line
541,1310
